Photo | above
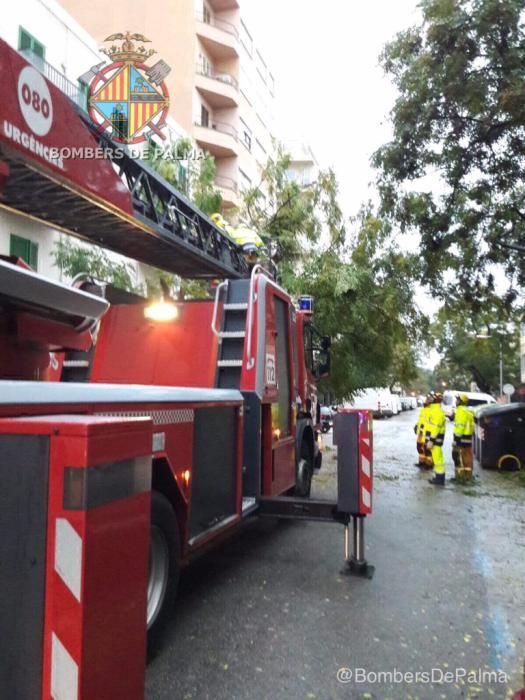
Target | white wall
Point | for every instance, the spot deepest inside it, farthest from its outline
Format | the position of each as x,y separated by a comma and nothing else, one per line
69,48
33,231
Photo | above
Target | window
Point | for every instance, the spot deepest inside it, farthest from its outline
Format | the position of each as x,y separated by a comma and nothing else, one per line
205,116
246,135
204,64
246,183
24,248
26,42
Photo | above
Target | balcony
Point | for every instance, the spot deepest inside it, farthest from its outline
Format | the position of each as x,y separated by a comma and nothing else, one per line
220,5
58,79
218,89
219,38
229,191
218,138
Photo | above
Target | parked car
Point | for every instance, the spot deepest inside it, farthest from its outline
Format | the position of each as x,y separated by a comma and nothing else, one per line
397,407
475,398
408,403
378,400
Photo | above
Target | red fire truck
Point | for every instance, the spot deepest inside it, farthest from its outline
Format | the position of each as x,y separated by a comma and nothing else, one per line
127,443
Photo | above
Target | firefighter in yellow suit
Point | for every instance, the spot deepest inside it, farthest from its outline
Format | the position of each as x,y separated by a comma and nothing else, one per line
245,237
435,434
424,455
462,445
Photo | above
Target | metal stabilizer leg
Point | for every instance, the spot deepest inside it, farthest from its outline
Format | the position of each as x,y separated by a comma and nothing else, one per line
355,563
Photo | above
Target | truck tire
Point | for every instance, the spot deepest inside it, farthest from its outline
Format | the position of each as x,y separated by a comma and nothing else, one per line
305,470
164,569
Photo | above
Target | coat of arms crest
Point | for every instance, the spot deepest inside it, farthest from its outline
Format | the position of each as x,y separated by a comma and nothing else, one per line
126,96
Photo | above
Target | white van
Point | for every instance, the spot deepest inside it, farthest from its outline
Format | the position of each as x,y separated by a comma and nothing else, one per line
475,398
378,400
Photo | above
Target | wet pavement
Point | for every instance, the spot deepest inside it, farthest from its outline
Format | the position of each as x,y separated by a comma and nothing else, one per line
268,615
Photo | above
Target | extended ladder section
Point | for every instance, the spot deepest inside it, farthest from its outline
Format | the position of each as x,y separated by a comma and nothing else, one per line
53,172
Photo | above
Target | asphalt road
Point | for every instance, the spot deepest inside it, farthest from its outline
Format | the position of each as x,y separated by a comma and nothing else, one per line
269,616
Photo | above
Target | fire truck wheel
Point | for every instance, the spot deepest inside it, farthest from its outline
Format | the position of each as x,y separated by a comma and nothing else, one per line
305,471
164,568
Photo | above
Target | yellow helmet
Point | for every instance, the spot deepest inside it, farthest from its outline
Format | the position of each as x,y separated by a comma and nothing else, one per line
463,398
218,220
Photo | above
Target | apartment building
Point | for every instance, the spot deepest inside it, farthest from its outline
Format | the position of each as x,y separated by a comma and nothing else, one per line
304,167
221,90
62,50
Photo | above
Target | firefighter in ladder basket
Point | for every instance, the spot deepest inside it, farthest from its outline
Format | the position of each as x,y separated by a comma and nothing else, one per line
245,237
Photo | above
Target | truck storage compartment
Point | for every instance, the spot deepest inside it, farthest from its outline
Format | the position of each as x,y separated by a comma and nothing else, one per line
214,494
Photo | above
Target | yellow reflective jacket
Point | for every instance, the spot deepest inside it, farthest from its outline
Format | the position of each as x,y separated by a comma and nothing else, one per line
463,421
422,421
243,235
436,422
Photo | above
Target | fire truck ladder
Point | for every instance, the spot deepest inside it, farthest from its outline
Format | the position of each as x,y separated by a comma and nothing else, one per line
232,333
166,229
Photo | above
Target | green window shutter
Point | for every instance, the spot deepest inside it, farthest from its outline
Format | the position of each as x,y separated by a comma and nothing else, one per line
23,248
28,42
24,40
33,255
18,247
38,49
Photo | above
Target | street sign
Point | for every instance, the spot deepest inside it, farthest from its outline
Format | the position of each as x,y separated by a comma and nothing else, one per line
508,389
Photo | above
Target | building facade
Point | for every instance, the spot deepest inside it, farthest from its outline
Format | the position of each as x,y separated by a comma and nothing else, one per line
221,90
303,168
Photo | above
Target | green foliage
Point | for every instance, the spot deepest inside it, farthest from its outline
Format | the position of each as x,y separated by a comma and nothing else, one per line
195,177
177,287
73,259
294,217
197,181
466,358
203,192
361,282
364,301
459,122
170,164
423,382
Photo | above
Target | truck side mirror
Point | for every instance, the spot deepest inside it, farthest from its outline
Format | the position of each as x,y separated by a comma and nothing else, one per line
324,363
324,366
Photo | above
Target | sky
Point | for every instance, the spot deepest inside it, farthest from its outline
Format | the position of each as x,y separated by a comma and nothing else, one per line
330,89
